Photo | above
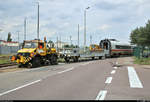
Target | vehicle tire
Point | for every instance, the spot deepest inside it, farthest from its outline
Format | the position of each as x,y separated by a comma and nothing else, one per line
67,59
47,62
93,58
54,60
35,62
104,57
75,59
29,65
100,57
20,65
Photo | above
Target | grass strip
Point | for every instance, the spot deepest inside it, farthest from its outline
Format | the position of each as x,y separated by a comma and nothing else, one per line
142,61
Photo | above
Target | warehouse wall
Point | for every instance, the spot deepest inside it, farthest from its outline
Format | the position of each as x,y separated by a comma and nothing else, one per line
8,49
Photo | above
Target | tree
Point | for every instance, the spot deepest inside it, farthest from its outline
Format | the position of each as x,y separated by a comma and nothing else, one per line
147,32
51,43
9,37
134,36
140,36
66,46
70,46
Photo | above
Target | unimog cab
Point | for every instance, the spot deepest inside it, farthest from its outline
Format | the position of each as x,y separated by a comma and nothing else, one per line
35,53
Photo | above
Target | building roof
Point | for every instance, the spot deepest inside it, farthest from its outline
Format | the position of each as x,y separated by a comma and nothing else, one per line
8,41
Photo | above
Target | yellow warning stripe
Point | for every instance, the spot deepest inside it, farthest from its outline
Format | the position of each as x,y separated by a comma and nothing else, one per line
27,59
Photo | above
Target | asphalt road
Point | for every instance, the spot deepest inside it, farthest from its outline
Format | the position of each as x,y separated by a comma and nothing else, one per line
91,80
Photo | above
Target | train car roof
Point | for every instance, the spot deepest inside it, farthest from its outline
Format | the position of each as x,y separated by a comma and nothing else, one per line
116,42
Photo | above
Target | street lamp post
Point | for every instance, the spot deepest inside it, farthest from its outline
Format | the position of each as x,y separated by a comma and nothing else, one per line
90,39
0,34
85,28
70,40
57,43
38,20
78,35
25,28
18,40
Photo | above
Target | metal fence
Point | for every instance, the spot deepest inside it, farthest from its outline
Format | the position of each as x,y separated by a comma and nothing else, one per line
141,52
8,49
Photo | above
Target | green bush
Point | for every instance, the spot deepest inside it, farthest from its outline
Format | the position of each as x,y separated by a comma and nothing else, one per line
142,61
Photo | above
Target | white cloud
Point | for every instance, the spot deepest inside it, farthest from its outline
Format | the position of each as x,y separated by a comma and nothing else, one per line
62,16
104,27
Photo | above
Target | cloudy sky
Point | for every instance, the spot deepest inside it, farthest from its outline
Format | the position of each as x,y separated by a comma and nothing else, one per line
105,18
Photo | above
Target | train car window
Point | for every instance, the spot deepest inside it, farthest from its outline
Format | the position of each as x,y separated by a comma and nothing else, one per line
106,46
123,47
41,45
93,46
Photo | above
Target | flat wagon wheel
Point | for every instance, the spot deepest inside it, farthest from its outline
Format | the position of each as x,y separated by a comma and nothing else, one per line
75,59
67,59
93,58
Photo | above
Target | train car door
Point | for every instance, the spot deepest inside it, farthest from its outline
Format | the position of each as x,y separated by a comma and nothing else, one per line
106,45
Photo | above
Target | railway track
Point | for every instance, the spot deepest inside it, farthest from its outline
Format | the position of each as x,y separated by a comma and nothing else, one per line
6,61
13,64
7,64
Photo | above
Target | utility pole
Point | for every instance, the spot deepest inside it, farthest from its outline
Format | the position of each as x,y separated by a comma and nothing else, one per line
85,28
70,40
25,28
38,21
90,39
0,34
18,35
60,40
57,43
18,40
78,35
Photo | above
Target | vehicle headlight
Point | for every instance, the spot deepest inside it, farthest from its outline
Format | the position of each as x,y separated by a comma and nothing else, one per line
32,54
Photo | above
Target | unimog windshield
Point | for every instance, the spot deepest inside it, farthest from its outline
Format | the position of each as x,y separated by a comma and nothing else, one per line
30,45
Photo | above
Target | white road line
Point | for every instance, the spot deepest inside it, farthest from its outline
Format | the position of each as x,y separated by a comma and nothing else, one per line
50,75
108,80
133,78
84,64
113,71
66,70
115,67
19,87
116,62
101,95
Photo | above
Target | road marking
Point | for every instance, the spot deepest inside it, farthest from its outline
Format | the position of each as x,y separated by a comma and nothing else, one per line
116,62
133,78
101,95
61,63
85,64
108,81
49,75
66,70
113,71
19,87
115,67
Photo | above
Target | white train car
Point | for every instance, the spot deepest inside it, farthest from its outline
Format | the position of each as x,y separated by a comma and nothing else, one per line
114,47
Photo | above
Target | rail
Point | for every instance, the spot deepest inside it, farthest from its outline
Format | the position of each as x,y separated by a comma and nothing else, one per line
5,61
7,64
